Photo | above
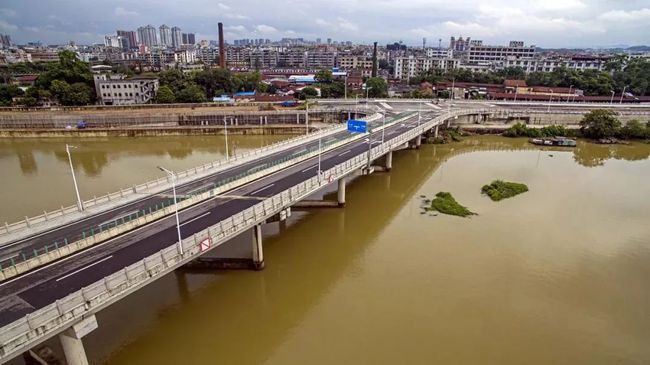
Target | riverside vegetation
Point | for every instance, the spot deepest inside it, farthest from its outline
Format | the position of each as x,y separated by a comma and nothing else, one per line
499,189
445,203
597,124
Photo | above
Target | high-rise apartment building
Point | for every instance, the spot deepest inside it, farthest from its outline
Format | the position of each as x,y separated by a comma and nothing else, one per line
177,37
129,39
165,36
112,41
148,35
5,41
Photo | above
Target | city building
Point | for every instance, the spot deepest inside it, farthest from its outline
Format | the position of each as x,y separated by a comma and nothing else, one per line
499,54
165,36
177,37
115,89
148,36
320,59
112,41
355,62
130,40
188,38
5,41
412,66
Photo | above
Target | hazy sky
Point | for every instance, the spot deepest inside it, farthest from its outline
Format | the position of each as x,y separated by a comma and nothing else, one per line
545,23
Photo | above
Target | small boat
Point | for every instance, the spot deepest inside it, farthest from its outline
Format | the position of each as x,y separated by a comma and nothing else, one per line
554,141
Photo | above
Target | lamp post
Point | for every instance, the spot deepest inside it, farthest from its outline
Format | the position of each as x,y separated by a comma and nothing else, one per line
549,102
80,204
622,94
611,101
319,158
307,116
346,85
567,98
383,129
367,95
225,129
172,176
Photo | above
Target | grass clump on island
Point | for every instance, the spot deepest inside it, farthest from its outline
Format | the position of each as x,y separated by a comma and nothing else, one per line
499,189
445,203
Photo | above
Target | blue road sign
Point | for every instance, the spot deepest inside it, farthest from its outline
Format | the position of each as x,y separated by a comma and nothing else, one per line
357,126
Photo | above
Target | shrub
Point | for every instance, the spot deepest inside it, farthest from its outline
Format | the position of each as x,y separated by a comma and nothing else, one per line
498,189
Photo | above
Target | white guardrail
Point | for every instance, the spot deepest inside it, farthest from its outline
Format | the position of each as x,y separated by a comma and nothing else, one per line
51,319
155,186
52,252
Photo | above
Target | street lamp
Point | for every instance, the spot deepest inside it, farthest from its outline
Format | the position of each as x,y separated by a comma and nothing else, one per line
367,94
319,154
549,102
383,129
172,176
567,98
346,85
225,128
611,101
622,94
307,115
80,204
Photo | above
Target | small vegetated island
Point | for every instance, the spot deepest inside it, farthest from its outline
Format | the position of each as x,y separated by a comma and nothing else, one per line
499,190
445,203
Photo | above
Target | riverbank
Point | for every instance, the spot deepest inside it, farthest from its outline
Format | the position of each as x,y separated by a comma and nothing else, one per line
155,131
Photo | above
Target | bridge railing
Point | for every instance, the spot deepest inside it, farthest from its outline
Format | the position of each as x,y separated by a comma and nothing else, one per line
154,186
51,319
52,251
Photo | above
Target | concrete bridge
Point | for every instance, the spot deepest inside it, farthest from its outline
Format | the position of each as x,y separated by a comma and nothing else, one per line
59,295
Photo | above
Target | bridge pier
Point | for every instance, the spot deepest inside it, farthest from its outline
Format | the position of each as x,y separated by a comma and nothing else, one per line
340,194
258,249
72,344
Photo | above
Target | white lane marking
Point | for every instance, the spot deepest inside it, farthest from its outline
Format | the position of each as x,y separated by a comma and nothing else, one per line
195,218
386,106
345,153
264,188
433,106
84,268
307,169
118,217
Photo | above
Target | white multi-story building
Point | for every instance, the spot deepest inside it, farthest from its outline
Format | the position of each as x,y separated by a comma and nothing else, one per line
112,41
499,54
407,67
118,90
440,52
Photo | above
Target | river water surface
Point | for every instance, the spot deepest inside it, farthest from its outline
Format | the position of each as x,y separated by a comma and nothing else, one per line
558,275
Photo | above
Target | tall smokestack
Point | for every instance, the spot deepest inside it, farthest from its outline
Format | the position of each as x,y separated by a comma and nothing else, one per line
374,61
222,48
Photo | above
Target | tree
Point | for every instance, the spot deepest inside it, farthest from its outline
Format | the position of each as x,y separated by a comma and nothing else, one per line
634,129
192,93
165,95
307,93
600,123
215,81
378,87
324,76
173,79
7,93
